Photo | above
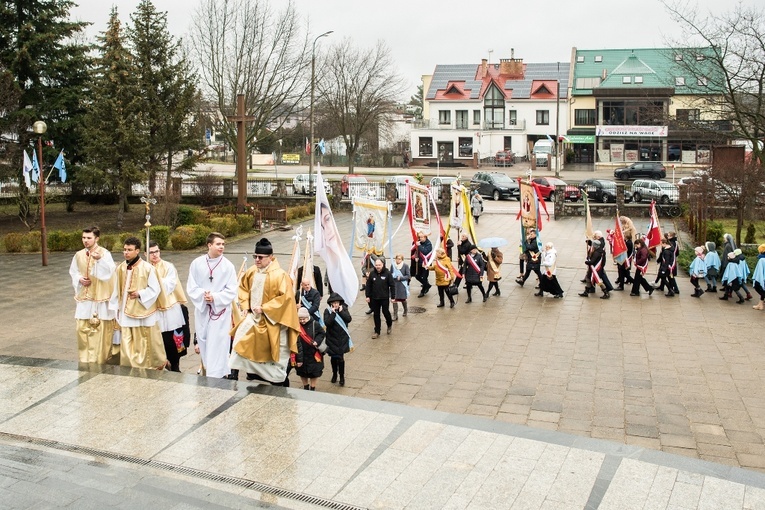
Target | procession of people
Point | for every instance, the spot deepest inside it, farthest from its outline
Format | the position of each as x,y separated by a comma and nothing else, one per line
268,321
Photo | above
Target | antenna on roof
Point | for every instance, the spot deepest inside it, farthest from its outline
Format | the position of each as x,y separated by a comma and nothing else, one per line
490,52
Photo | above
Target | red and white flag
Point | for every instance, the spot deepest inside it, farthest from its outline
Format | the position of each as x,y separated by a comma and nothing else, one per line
307,146
653,237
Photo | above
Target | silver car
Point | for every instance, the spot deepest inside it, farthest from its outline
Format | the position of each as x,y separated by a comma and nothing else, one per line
661,191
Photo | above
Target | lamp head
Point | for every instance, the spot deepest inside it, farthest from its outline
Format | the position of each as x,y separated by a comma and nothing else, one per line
39,127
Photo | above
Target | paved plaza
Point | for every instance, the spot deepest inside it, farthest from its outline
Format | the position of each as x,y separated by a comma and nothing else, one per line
519,402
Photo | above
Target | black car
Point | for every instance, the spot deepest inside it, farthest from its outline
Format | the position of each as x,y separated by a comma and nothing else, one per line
495,185
602,190
650,169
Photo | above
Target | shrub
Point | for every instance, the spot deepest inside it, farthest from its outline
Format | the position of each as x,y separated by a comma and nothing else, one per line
226,225
299,211
185,215
108,241
33,241
201,232
184,238
715,231
160,234
245,222
750,234
74,240
58,240
685,257
14,242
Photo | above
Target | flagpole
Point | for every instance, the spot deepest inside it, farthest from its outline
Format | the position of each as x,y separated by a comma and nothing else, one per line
40,128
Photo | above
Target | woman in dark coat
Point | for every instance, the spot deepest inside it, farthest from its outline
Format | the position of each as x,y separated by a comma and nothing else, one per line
473,270
401,277
336,319
309,360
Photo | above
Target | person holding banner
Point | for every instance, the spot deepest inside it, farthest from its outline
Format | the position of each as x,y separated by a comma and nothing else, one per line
338,338
549,281
422,251
531,250
641,266
597,273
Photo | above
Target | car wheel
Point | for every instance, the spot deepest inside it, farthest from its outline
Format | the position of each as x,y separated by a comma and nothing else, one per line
636,197
657,176
495,195
664,199
619,176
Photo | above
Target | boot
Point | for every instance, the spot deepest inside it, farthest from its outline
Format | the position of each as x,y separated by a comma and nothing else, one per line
724,297
586,293
406,309
395,312
670,294
439,305
341,368
485,297
591,290
234,375
748,296
313,388
334,363
605,295
306,386
709,288
760,305
714,288
497,293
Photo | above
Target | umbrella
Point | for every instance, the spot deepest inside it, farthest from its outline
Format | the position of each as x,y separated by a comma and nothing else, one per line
492,242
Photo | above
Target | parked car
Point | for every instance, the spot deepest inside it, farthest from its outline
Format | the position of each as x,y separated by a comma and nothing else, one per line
348,179
495,185
503,158
602,190
547,186
400,181
661,191
650,169
300,184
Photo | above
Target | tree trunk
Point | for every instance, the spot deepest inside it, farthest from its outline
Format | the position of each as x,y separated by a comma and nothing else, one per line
351,158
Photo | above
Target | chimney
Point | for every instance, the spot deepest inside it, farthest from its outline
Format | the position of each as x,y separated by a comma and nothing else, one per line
604,75
484,63
512,52
511,68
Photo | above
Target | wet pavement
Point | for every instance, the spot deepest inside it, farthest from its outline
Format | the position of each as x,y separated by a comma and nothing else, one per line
520,402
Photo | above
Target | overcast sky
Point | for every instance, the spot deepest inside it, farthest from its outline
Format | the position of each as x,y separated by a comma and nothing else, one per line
423,33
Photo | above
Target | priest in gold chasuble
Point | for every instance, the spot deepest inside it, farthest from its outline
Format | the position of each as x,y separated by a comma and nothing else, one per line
266,337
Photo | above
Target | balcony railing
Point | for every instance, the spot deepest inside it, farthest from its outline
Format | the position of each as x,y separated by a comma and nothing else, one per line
519,125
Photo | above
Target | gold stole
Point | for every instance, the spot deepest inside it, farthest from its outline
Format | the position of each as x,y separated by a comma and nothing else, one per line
136,278
98,290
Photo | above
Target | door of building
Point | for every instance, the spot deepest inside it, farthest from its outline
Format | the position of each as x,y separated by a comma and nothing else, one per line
446,152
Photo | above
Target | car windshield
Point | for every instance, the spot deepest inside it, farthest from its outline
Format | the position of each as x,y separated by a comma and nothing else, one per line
357,179
555,182
608,184
665,185
503,180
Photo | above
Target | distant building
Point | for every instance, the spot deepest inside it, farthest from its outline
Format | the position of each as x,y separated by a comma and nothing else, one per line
472,111
655,104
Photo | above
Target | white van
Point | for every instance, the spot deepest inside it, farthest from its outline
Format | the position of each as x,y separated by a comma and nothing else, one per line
542,150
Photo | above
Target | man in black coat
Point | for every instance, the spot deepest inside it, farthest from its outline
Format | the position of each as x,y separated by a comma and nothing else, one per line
380,289
309,298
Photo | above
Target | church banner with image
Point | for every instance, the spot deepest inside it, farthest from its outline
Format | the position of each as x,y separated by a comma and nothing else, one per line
370,229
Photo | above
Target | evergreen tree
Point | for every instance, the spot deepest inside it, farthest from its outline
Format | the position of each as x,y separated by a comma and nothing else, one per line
116,135
168,89
40,49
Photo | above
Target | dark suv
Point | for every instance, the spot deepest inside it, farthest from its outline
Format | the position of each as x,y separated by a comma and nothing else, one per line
650,169
602,190
495,185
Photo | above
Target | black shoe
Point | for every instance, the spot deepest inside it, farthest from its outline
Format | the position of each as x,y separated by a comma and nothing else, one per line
496,293
591,290
342,382
709,288
421,294
426,289
486,298
619,288
440,305
334,379
605,295
583,280
634,293
724,298
468,300
585,294
369,312
650,291
390,328
714,289
540,293
669,294
558,296
519,282
451,305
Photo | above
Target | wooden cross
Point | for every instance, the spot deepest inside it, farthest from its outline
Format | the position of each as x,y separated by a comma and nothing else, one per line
241,148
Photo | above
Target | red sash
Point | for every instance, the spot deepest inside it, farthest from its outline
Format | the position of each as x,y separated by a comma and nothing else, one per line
307,339
472,263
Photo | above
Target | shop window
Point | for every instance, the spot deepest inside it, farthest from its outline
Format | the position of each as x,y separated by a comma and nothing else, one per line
543,117
466,147
426,146
444,117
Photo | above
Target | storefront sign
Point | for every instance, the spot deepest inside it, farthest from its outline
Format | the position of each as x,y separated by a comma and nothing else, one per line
579,138
638,131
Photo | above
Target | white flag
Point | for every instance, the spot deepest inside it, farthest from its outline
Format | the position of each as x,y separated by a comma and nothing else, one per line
27,170
328,245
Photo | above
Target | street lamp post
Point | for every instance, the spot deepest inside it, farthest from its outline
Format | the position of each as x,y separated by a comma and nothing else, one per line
39,129
313,75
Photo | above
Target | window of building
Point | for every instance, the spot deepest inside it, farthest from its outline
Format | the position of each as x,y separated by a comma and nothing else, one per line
426,146
632,112
477,117
444,116
679,81
466,147
494,109
588,83
687,114
638,79
461,119
702,81
508,143
626,79
598,58
580,59
584,117
513,117
543,117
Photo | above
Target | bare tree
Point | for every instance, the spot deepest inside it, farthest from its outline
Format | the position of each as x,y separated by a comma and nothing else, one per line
245,47
357,92
731,66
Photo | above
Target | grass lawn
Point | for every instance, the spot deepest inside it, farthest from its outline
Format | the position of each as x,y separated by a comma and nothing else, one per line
729,227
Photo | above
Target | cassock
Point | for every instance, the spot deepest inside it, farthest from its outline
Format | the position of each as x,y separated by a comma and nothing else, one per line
141,343
264,342
170,316
212,320
95,321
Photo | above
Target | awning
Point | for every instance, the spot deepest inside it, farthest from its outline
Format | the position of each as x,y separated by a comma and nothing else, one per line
579,139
